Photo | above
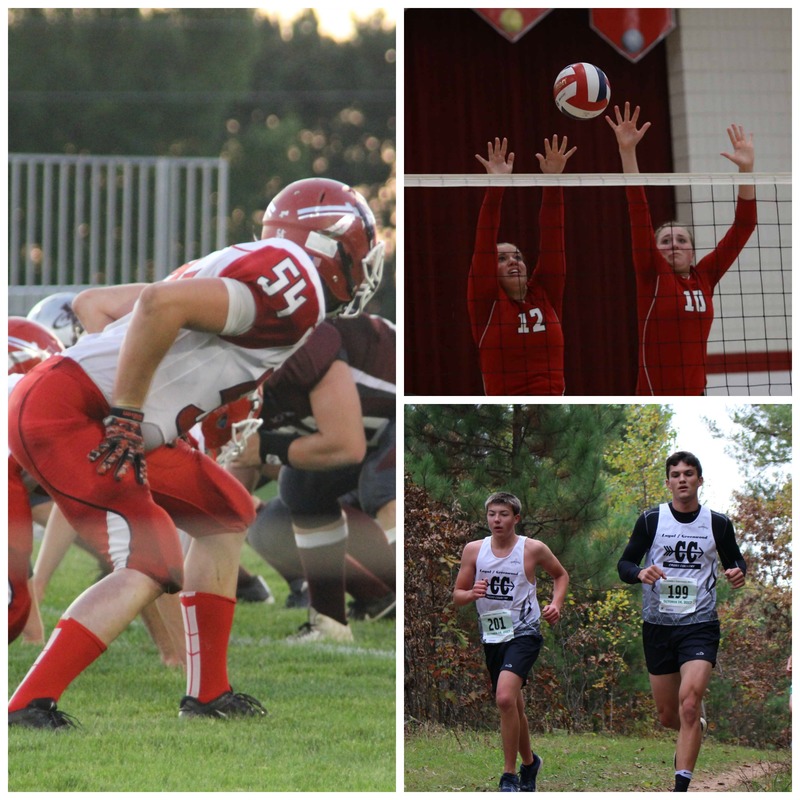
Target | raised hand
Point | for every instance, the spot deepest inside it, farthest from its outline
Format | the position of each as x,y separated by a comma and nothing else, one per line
743,151
625,128
555,157
497,163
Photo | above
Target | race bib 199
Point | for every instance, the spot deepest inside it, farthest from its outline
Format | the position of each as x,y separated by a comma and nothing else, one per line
497,626
677,595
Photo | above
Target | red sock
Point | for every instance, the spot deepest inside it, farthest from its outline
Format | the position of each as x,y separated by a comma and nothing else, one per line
70,649
207,623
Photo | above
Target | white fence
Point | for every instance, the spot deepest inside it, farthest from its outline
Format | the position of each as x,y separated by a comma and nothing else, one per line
77,221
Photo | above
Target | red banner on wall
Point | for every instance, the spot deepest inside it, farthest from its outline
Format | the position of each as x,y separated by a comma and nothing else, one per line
632,32
513,23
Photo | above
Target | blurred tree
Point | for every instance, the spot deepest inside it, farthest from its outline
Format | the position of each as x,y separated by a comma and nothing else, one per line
636,462
761,443
117,81
550,456
757,621
279,106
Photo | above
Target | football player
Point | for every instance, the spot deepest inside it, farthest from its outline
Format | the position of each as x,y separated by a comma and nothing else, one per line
127,395
334,398
29,344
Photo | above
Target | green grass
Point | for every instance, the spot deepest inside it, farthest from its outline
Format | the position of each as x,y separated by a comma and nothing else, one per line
331,723
438,760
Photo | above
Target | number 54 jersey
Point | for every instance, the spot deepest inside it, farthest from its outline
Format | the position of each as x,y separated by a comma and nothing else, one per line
510,608
275,301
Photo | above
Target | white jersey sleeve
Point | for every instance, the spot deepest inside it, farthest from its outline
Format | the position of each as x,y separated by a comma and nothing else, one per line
241,308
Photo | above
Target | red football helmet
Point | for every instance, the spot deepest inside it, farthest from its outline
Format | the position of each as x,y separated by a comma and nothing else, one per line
233,422
29,343
336,227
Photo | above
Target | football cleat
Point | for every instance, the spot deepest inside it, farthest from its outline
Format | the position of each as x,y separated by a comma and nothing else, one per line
371,610
42,713
227,705
253,589
298,594
321,628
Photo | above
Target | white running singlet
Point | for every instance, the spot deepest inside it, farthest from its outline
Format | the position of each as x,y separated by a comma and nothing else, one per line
510,607
687,553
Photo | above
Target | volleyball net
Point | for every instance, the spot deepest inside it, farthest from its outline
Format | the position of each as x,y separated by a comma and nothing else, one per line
624,333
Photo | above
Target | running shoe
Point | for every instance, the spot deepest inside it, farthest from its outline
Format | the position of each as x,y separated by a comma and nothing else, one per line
509,782
528,773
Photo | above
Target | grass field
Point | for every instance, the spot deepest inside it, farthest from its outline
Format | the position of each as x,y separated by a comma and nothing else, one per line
438,760
331,722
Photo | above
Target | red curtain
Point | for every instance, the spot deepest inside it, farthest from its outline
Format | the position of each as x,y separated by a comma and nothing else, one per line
466,84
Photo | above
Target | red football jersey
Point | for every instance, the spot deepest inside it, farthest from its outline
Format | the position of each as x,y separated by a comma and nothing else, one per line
521,344
202,371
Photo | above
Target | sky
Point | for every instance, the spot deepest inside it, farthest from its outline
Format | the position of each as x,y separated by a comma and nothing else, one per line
334,20
721,475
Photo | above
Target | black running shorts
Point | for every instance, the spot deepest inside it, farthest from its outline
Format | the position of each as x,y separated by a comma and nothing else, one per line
517,655
668,647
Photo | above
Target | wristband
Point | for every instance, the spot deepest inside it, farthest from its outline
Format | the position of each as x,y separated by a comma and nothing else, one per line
275,444
132,414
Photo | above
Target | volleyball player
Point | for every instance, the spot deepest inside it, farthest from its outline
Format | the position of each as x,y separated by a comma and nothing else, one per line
675,295
516,315
681,542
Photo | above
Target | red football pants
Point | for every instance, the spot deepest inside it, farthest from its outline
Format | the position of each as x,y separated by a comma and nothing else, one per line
20,547
55,420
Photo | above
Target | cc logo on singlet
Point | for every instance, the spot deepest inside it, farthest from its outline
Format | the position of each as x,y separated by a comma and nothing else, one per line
688,552
498,585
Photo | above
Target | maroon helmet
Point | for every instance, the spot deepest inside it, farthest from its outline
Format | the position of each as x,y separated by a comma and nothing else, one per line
336,227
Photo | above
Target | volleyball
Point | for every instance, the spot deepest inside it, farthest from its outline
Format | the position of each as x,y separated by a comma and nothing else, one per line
582,91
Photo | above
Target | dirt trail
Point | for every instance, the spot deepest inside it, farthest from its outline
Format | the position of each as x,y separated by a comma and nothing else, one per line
726,781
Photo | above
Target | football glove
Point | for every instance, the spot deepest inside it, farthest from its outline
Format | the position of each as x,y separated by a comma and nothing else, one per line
122,446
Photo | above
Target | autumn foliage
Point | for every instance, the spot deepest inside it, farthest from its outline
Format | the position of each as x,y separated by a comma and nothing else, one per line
591,674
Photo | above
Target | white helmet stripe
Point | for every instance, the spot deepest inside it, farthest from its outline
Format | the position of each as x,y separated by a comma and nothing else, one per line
319,211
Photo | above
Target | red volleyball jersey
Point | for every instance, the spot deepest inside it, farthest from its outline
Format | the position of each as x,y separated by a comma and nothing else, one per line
675,313
521,344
